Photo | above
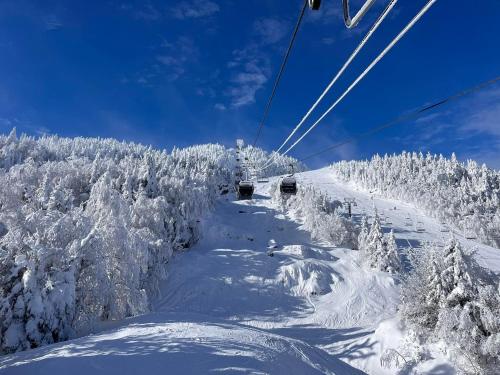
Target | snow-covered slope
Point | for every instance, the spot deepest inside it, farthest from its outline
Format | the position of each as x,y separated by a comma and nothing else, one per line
411,224
227,306
87,227
175,343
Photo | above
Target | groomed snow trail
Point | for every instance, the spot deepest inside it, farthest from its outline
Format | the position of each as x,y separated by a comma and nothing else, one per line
228,307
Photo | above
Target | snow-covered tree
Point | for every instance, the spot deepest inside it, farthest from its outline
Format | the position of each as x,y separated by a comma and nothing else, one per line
321,215
87,227
363,233
379,251
449,297
464,195
391,262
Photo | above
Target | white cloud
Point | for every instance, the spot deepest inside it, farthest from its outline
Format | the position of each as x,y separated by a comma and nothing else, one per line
52,22
251,71
145,11
482,114
148,12
471,127
328,40
220,107
206,92
329,12
250,66
270,30
194,9
178,55
7,124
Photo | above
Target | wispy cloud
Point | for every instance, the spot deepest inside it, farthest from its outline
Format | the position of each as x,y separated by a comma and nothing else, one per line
145,11
250,71
330,12
482,114
472,125
148,12
52,22
194,9
270,30
328,40
177,55
250,66
7,124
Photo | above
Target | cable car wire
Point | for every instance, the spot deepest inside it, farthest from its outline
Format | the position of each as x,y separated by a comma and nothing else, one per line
280,73
365,72
409,116
356,51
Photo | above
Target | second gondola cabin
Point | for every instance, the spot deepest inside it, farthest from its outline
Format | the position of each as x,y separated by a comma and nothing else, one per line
245,190
288,186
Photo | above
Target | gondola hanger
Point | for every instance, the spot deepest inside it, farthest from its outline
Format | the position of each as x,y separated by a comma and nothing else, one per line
353,22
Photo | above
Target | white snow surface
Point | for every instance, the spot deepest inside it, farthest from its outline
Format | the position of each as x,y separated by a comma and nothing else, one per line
228,307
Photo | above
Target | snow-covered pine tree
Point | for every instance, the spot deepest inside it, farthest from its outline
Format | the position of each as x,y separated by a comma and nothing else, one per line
363,234
422,290
379,251
448,297
391,261
373,250
455,278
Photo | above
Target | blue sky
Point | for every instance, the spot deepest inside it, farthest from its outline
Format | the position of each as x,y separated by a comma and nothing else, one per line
183,72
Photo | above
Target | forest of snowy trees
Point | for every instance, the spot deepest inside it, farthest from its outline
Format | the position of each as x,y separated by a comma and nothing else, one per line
464,195
448,297
87,227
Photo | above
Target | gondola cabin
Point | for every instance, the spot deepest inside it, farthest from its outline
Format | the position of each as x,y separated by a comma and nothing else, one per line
245,190
288,186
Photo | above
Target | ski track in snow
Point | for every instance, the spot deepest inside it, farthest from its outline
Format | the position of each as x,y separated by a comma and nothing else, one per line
228,307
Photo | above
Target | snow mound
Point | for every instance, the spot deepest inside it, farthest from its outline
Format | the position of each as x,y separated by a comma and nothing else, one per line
179,344
307,277
305,252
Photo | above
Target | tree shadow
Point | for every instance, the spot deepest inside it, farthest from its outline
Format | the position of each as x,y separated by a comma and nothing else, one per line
181,344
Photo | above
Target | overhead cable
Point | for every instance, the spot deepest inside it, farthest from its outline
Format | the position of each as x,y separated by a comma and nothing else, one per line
365,72
408,116
363,42
280,73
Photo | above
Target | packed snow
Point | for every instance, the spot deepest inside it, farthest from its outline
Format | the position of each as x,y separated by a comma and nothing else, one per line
270,285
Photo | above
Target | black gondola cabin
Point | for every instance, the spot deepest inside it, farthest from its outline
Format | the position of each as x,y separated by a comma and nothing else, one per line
245,190
288,186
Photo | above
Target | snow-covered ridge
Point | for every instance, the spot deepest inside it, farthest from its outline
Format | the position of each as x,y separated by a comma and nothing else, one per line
465,195
88,225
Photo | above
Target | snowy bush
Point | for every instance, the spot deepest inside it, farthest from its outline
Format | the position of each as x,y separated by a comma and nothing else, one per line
379,251
88,225
322,217
449,297
463,194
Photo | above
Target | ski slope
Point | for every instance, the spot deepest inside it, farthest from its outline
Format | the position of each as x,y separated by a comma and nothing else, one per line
229,307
